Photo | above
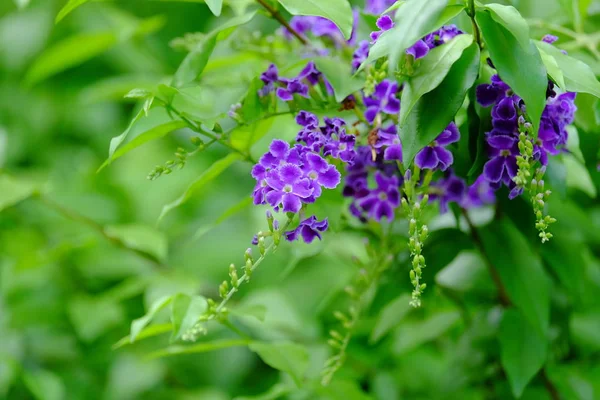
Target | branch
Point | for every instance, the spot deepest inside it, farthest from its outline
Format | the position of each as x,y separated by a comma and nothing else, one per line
476,32
275,14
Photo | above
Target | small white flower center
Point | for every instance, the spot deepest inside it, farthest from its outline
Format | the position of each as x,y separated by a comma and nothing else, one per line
287,188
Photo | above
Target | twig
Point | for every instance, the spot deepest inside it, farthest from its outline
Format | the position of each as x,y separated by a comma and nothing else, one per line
75,216
549,385
476,32
275,14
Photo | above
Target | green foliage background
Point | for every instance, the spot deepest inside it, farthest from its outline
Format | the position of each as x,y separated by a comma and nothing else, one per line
84,258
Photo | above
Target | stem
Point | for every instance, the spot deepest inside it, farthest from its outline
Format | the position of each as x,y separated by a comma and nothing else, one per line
245,278
275,14
471,14
504,299
75,216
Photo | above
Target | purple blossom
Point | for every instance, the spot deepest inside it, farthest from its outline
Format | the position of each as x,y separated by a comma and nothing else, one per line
383,200
479,194
437,38
558,114
418,50
360,54
389,141
342,149
449,189
309,229
383,100
323,28
436,156
502,166
294,86
505,116
320,173
376,7
549,39
288,187
384,23
492,93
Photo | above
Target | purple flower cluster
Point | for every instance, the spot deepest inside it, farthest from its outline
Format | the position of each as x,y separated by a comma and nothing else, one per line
453,189
435,155
290,176
384,99
286,88
503,139
433,40
322,28
309,230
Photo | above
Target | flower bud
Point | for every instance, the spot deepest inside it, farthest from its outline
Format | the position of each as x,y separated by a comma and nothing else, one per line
270,220
233,275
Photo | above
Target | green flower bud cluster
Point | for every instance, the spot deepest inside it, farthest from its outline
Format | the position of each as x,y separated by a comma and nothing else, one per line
375,75
535,186
359,294
418,234
539,196
194,333
188,42
181,156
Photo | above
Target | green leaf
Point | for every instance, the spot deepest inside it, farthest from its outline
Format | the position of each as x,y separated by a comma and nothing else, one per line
431,72
198,348
410,335
274,393
149,331
243,137
578,176
142,238
390,316
553,69
194,63
138,324
287,357
511,19
520,270
67,8
230,212
338,11
106,315
14,190
44,385
521,67
341,80
523,350
185,312
466,273
578,76
21,4
414,19
436,109
584,328
258,311
117,140
145,137
207,176
215,6
70,52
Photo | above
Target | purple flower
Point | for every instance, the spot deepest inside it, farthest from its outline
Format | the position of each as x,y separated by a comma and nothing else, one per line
360,54
376,7
270,78
449,189
479,194
492,93
322,27
294,86
549,39
309,229
288,188
320,173
307,119
310,73
436,156
418,50
382,201
384,23
389,141
504,115
383,100
342,149
502,166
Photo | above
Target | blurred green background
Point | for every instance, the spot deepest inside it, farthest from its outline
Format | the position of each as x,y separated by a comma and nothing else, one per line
68,293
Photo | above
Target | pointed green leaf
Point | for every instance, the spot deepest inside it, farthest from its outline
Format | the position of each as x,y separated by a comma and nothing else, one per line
185,312
287,357
67,8
149,331
215,6
410,335
198,348
520,270
207,176
512,20
341,80
523,350
578,76
436,109
142,238
194,63
553,69
138,324
14,190
520,67
390,316
338,11
414,19
231,211
431,72
68,53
